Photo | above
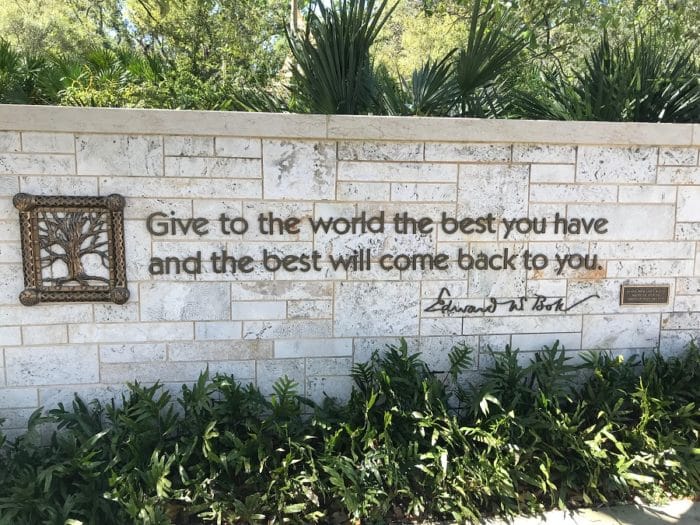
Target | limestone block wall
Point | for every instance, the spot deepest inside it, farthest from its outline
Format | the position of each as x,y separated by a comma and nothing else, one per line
622,201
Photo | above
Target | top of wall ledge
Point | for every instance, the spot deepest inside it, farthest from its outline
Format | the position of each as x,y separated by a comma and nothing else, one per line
180,122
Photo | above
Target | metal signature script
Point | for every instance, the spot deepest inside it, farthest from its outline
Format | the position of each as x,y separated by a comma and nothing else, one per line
537,303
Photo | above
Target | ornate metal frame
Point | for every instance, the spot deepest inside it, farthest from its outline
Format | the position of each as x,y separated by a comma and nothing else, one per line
78,226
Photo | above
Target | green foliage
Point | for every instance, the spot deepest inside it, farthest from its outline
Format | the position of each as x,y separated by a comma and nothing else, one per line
333,72
411,443
645,81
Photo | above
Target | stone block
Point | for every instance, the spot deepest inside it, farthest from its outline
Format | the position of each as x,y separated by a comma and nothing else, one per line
689,231
11,283
45,314
220,350
36,164
678,176
643,250
118,313
493,343
189,146
676,342
10,336
9,230
688,204
546,287
329,366
629,222
7,210
309,309
258,310
213,167
376,309
686,303
48,185
9,185
623,331
182,188
10,141
313,348
52,365
455,152
40,142
137,208
133,353
396,151
435,351
364,191
440,326
564,193
15,418
656,194
292,329
534,324
435,192
175,372
280,290
238,147
605,164
168,301
120,155
396,171
218,330
562,173
650,268
18,398
502,190
544,153
295,170
336,387
268,371
680,321
52,334
688,286
535,342
678,156
52,396
129,332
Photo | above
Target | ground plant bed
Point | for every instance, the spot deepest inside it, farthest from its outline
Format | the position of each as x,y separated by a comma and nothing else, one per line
410,444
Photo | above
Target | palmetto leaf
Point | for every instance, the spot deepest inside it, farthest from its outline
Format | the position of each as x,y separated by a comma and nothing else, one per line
333,72
494,41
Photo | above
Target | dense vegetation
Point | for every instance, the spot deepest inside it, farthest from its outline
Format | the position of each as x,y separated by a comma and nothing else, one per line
410,443
624,60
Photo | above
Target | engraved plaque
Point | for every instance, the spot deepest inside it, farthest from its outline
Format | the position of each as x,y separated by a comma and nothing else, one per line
72,248
644,294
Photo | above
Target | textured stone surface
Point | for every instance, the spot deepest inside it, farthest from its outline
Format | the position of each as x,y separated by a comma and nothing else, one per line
620,331
609,164
167,301
299,170
498,189
51,365
381,308
47,142
140,156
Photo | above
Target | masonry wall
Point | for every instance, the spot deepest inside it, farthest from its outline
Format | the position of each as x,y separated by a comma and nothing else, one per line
643,179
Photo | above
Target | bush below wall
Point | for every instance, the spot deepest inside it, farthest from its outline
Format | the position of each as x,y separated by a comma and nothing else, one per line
409,444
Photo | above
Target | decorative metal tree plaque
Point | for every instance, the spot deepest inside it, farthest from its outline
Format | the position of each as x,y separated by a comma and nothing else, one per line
72,248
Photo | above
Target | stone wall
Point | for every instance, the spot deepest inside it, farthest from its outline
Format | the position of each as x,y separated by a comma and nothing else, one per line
642,179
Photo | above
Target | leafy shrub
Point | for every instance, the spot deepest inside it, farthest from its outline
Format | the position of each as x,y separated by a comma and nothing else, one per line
410,443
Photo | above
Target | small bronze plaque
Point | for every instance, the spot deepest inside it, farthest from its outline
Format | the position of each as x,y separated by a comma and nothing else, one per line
644,294
72,248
